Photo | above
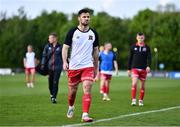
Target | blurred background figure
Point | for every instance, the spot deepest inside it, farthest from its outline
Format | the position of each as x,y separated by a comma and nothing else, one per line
29,64
107,62
53,58
139,65
101,48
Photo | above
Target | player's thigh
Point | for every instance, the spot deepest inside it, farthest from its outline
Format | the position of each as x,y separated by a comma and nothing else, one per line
109,77
33,71
87,86
135,73
74,77
87,74
143,75
27,71
134,80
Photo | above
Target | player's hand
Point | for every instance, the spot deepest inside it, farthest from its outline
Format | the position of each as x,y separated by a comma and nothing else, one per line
42,67
65,66
96,77
96,74
129,73
148,69
116,72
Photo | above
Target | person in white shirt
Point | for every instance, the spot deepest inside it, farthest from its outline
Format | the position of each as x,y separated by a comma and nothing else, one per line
83,62
29,64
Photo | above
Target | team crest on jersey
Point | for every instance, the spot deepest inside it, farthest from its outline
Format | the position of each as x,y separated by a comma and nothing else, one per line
49,48
135,49
77,37
90,37
144,49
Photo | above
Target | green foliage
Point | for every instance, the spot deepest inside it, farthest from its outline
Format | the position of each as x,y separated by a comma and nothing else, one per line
162,30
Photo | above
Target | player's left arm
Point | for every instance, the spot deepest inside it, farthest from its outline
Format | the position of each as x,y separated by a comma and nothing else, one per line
115,64
35,60
24,61
149,60
96,59
96,52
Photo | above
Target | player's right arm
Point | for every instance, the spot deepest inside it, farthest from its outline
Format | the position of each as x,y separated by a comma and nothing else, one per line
24,62
64,56
44,56
67,44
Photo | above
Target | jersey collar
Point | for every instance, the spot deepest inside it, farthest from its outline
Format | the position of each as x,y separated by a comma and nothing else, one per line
83,31
137,44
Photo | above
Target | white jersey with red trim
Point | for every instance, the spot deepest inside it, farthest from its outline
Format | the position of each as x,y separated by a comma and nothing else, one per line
30,60
82,44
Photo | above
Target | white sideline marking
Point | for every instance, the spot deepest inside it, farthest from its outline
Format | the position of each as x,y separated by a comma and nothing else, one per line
123,116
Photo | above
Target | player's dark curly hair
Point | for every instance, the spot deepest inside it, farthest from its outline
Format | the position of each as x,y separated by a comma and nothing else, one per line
140,33
84,10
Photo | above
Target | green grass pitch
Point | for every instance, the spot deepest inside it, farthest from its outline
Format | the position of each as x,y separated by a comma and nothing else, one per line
22,106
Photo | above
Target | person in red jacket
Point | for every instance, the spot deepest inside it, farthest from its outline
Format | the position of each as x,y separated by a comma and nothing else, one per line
139,65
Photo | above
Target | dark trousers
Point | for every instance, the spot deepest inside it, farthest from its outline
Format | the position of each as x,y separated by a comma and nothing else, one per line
53,82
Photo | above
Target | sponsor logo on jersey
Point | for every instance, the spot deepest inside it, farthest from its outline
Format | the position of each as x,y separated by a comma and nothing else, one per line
90,37
144,49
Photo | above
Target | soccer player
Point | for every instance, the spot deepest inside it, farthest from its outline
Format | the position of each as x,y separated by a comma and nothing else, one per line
53,52
29,64
107,59
139,65
83,62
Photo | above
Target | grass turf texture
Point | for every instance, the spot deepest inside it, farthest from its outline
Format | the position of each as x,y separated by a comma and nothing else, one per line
20,105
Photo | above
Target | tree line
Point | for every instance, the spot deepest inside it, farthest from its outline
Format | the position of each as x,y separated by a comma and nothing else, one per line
162,30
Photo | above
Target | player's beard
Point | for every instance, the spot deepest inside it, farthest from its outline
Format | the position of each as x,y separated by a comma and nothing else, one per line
85,24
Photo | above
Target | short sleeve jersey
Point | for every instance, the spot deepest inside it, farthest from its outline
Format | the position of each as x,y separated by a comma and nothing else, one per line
82,45
30,59
106,62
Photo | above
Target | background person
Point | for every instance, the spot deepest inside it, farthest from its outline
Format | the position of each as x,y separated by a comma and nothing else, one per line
52,51
139,65
29,64
107,62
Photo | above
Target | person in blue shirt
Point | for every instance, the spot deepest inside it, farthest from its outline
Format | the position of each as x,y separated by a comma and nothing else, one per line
107,63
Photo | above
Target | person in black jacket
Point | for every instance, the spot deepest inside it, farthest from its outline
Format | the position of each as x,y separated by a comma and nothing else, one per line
52,52
139,64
